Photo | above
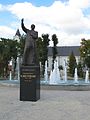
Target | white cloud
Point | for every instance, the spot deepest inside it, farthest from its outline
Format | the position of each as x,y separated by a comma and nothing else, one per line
73,40
79,3
6,32
67,21
0,6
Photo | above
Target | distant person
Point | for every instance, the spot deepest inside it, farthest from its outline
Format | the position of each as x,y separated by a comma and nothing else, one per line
29,56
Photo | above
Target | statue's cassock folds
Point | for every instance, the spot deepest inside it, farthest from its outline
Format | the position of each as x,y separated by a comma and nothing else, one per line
29,83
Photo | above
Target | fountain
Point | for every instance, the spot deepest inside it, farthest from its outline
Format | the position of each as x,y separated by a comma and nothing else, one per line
10,74
18,66
17,72
87,77
76,76
65,72
54,81
55,75
46,73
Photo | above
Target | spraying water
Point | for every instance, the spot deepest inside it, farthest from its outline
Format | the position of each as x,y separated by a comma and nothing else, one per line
55,74
75,76
46,73
87,77
65,71
10,74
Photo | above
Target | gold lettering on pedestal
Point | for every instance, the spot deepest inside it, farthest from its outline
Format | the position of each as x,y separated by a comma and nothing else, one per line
28,77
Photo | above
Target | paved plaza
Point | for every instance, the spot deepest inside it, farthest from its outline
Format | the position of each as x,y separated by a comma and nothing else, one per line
53,105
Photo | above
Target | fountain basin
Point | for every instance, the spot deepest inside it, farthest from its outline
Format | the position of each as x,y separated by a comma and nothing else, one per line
69,85
72,87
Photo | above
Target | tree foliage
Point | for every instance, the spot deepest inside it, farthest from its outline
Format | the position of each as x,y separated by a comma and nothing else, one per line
46,40
42,48
85,52
80,69
8,50
72,64
21,45
54,48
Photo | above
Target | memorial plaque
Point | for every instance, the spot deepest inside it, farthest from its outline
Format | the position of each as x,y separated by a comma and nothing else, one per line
29,83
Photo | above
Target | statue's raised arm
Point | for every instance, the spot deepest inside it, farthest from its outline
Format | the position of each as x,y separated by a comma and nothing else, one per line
22,25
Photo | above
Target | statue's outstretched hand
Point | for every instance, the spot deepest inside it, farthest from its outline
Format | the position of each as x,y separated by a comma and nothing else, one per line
22,19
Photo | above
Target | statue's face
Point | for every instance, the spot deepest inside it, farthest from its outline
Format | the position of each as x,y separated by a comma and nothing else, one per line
32,26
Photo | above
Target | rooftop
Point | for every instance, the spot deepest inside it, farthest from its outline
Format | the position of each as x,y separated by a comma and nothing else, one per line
18,33
65,50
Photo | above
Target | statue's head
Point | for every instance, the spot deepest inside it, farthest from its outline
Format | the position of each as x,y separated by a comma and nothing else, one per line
32,26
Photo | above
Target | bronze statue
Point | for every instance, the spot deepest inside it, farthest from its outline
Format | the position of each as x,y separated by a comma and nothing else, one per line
29,56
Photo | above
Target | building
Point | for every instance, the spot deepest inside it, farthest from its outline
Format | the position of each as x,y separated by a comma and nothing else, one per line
63,54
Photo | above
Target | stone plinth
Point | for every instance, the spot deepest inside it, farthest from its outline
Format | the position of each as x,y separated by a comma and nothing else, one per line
29,83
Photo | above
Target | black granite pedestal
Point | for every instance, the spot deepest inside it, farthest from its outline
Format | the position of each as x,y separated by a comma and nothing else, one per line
29,83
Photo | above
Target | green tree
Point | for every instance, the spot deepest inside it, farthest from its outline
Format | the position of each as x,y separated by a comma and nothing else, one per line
54,48
13,51
46,40
42,48
39,43
21,45
1,59
80,69
9,49
85,52
72,64
6,55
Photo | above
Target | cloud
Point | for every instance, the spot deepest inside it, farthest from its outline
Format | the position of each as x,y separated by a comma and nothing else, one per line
66,20
58,15
6,32
79,3
0,6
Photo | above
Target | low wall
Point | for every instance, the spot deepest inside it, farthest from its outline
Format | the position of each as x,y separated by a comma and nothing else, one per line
66,87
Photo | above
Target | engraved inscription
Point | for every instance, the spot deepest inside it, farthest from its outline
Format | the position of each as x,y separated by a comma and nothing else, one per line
27,76
23,70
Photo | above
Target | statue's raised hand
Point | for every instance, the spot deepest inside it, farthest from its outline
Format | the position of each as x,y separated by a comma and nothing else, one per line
22,19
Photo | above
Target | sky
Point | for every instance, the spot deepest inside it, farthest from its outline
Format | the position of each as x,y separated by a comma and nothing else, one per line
68,19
